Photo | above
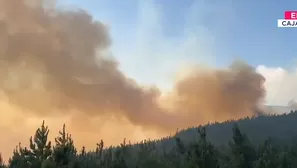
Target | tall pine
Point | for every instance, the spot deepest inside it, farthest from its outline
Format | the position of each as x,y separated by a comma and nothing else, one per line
39,151
243,153
64,152
40,147
203,154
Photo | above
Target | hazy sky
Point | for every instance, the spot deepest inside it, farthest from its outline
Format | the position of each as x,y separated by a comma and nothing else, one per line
153,41
170,34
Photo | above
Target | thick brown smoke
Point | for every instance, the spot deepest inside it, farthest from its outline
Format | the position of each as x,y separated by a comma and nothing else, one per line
52,63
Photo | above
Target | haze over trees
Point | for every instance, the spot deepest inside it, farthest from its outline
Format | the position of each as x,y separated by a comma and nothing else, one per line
57,58
255,142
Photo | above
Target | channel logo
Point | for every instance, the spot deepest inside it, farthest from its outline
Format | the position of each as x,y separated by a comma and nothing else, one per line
289,21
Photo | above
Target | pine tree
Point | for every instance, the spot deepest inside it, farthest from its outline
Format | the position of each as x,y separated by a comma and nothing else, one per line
20,158
243,152
99,149
268,156
2,164
176,158
40,148
203,154
107,158
64,151
147,156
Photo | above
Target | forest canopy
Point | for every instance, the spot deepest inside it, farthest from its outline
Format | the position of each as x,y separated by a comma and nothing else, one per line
202,147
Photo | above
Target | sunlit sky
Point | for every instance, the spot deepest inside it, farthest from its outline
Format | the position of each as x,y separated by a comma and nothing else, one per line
153,39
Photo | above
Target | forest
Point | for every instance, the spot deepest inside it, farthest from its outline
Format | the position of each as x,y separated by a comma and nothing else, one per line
265,141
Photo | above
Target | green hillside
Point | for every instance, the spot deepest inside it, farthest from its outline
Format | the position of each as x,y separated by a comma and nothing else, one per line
257,142
281,127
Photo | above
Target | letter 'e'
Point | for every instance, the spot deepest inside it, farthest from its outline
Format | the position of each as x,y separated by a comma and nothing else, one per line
293,15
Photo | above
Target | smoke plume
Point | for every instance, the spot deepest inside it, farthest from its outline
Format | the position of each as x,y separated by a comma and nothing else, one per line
53,64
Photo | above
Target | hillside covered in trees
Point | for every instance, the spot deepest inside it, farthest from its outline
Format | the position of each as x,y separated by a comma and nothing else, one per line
256,142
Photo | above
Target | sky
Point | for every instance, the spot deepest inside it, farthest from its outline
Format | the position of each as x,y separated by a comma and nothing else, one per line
155,42
175,34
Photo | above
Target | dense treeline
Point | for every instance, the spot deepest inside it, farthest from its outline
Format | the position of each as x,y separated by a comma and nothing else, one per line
239,152
281,128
